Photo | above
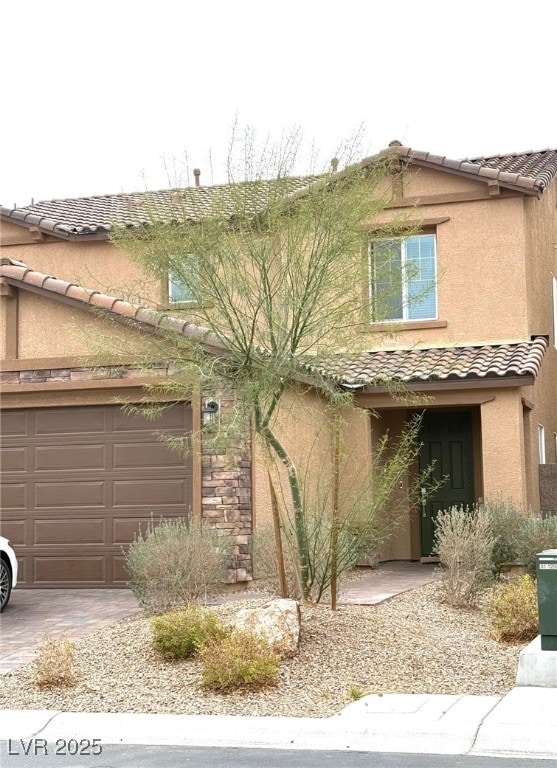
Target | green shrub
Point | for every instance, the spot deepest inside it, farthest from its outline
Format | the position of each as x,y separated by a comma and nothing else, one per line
514,610
174,563
183,632
239,660
537,534
464,544
356,692
505,520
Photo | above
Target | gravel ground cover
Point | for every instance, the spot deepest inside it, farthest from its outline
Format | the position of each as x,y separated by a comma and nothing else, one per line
410,644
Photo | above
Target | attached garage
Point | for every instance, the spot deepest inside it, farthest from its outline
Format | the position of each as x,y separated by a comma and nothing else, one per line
78,482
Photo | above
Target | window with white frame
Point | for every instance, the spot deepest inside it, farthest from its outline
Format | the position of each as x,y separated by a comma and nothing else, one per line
541,443
179,287
555,445
178,291
403,278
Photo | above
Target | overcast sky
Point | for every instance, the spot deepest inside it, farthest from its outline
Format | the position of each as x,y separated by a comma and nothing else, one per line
99,96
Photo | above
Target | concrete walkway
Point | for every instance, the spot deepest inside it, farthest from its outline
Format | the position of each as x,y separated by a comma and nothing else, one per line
386,581
76,613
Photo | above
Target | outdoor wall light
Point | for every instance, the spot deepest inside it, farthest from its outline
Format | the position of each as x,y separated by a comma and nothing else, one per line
209,411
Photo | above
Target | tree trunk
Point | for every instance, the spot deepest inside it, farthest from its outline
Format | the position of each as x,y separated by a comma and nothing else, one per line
298,507
335,521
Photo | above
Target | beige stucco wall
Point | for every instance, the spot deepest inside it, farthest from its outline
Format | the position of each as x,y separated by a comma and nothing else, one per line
425,181
93,264
304,427
541,260
48,328
503,451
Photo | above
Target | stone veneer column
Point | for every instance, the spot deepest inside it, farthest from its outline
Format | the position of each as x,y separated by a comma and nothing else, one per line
226,502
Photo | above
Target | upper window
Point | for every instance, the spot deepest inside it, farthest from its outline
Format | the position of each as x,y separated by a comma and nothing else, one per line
180,285
178,291
402,278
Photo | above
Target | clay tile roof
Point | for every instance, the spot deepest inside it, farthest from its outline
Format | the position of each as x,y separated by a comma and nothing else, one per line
96,215
490,361
531,171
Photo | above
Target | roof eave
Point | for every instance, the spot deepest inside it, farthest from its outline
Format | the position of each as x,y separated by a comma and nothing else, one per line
483,382
56,230
526,189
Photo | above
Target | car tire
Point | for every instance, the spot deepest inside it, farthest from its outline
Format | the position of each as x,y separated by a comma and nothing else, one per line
5,584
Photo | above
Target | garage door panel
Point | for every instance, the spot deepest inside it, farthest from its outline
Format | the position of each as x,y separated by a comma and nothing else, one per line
140,455
76,494
171,418
14,423
64,458
124,529
14,496
63,531
15,531
64,571
120,574
75,490
75,421
22,571
13,459
146,493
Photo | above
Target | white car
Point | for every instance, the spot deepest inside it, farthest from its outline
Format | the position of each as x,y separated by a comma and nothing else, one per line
8,572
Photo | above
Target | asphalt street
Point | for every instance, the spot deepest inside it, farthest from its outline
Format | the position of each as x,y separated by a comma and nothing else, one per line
12,755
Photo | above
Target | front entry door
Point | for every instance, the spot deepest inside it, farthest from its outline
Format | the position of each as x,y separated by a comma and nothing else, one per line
446,443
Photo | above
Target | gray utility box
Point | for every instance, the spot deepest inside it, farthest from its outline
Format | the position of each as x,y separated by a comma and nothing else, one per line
546,571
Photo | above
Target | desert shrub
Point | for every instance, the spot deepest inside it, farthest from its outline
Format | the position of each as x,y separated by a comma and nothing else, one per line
183,632
54,664
537,534
239,660
464,543
506,520
173,563
356,692
514,610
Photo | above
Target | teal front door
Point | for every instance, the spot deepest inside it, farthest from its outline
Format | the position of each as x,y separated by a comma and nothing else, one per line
446,444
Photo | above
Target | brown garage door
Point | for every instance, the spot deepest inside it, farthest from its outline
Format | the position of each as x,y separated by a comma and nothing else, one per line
78,482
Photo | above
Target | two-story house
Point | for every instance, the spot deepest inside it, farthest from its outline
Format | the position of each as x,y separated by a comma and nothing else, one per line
470,327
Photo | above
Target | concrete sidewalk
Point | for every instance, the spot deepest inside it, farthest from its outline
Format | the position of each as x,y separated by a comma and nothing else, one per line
521,724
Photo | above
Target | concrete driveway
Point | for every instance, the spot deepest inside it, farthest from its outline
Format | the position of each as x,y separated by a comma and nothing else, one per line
33,613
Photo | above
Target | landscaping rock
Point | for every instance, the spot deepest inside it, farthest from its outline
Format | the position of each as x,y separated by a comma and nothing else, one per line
278,621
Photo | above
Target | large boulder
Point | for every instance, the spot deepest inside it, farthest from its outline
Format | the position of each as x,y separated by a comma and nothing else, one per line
278,621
